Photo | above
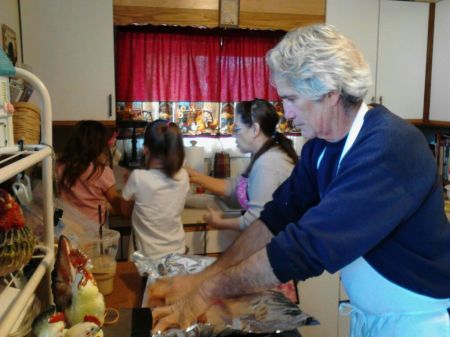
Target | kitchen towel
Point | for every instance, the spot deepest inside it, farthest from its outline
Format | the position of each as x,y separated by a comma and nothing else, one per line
195,158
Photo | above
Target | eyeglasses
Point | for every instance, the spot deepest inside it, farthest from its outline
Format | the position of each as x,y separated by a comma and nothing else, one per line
236,130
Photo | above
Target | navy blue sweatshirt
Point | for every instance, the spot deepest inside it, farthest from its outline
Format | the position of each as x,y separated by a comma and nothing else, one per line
385,203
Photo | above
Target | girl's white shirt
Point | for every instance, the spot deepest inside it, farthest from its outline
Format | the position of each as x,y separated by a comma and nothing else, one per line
156,217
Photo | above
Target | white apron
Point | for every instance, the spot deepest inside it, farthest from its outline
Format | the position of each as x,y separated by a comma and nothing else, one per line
380,308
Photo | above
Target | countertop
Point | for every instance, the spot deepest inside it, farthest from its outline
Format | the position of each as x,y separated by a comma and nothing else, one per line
126,298
128,287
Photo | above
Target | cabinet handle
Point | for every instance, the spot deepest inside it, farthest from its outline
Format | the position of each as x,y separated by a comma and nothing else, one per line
381,99
110,105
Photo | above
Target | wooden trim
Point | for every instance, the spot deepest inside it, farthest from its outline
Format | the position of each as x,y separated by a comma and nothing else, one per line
437,124
108,123
194,4
415,121
259,20
127,15
249,17
429,64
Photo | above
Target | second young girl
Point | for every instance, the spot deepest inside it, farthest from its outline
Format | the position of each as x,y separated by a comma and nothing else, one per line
155,196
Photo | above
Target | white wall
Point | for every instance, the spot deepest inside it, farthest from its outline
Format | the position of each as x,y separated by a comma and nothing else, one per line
9,15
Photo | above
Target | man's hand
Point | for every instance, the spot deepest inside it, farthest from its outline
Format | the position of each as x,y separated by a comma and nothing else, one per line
172,289
181,314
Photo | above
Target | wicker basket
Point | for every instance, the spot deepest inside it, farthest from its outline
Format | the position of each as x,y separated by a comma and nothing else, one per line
27,123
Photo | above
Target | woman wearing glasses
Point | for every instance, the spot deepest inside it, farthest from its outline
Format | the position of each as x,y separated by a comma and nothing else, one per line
272,160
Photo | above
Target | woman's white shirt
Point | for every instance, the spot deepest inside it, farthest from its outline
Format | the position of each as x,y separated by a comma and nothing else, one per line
269,171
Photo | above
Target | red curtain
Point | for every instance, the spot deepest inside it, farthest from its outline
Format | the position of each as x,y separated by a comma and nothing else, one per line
153,65
243,68
192,64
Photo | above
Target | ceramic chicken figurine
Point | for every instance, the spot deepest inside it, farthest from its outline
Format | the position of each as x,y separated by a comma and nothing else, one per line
74,289
80,307
49,324
85,329
52,324
16,240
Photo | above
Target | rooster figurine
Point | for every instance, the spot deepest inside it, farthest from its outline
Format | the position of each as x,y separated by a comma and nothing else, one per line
80,307
52,324
74,289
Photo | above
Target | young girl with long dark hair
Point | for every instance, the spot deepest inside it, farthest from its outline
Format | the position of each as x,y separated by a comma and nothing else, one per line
84,170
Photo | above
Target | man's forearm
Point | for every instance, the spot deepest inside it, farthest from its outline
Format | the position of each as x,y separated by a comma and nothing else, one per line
251,275
253,239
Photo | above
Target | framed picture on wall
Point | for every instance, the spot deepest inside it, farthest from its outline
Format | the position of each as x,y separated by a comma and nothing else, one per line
9,43
229,13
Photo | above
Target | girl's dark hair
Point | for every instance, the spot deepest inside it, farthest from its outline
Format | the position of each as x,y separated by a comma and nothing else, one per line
164,141
88,140
262,112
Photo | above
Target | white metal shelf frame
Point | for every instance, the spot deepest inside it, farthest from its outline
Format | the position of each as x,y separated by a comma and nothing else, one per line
31,156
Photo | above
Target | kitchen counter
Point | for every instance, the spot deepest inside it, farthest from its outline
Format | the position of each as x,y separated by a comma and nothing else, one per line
128,287
133,320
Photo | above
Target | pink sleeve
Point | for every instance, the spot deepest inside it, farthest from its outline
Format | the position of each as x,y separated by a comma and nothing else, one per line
106,179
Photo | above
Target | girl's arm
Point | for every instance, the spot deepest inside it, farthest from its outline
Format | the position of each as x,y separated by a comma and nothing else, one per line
215,220
217,186
128,193
114,198
126,207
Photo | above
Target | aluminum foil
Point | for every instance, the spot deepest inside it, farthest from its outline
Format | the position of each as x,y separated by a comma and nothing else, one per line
260,313
169,265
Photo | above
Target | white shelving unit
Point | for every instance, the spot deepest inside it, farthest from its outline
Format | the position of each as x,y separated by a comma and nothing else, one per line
12,164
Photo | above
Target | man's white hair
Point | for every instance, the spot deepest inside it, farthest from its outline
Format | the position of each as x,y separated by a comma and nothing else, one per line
317,60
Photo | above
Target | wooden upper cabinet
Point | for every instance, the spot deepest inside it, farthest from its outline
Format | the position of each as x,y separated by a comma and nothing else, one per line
256,14
171,12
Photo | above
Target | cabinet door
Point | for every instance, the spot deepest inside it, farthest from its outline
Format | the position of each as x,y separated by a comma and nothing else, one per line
195,242
218,241
319,297
402,47
440,80
358,20
393,38
69,45
343,320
